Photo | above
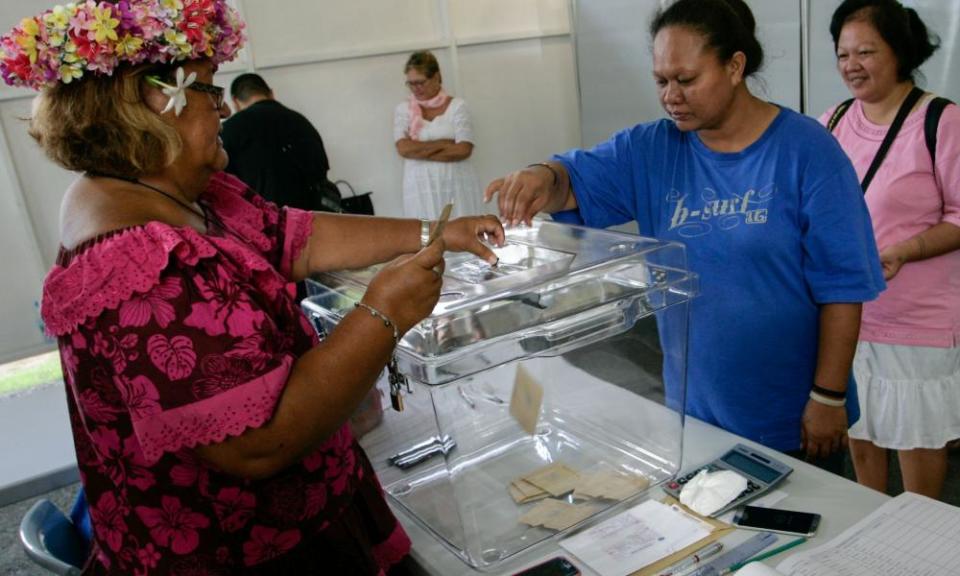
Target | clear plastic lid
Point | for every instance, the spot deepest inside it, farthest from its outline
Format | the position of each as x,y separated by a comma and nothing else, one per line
556,287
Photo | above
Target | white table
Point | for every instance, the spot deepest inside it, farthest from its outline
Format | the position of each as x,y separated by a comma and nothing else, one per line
841,503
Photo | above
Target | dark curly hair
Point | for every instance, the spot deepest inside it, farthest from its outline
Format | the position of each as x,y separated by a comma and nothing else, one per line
728,26
901,28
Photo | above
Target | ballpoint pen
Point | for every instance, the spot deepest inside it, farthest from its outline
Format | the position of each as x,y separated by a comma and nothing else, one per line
763,556
689,564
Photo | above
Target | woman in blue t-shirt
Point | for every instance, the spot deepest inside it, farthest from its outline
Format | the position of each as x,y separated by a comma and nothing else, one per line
774,222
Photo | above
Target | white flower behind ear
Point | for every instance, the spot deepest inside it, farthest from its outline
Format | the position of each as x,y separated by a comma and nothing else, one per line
178,93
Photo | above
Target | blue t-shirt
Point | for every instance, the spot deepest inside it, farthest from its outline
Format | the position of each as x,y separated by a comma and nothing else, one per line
773,231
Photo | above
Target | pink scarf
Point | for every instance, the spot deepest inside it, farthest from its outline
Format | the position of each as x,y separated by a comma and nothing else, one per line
416,113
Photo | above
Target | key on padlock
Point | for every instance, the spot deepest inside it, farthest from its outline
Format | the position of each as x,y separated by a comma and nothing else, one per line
396,399
396,380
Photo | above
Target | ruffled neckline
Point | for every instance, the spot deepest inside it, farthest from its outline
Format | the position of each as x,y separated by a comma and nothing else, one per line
105,270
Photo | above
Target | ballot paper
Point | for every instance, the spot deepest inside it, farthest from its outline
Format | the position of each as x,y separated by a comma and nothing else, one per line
636,538
608,484
554,479
523,492
557,478
525,401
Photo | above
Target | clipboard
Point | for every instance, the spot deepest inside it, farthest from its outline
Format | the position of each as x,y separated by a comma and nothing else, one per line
718,531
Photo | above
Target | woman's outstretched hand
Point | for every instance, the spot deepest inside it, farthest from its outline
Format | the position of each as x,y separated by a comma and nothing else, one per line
524,193
407,289
468,234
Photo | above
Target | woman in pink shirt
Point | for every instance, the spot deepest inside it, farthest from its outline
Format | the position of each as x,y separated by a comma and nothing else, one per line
908,361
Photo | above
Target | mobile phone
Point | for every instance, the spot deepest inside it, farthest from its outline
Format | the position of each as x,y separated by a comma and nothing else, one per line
558,566
775,520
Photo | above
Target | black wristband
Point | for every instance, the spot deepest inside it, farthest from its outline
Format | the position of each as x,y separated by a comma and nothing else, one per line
829,393
556,175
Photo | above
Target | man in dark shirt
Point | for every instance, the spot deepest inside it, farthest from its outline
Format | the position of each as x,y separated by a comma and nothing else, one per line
276,150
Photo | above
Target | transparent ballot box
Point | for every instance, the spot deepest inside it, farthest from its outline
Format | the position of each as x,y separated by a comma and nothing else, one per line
593,319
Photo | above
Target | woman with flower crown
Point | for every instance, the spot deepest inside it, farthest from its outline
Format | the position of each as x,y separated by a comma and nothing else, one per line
209,422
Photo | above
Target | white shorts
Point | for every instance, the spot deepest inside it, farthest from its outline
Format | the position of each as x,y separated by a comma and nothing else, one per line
909,395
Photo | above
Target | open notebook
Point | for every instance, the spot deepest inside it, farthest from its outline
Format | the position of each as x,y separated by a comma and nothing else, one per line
909,535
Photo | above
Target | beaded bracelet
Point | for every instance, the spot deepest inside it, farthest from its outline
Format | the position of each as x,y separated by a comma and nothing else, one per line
820,398
556,175
380,316
830,393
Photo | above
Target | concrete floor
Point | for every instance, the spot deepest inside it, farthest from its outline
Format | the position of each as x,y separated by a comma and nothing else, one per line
606,361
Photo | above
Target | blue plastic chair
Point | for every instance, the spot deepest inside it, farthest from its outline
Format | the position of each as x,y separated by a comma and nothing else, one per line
80,516
51,540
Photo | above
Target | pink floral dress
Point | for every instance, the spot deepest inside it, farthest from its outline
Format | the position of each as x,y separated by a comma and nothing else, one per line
170,339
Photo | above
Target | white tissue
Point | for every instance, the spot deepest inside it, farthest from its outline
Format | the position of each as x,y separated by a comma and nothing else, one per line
708,492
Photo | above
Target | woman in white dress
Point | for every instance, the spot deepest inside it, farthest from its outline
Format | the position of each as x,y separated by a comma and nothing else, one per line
434,135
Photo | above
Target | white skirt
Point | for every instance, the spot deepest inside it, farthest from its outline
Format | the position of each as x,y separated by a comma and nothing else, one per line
909,395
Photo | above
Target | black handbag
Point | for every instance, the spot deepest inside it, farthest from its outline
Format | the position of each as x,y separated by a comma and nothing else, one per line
355,203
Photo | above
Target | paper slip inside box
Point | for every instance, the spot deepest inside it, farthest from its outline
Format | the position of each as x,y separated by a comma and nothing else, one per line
525,401
522,491
557,514
639,536
557,479
609,484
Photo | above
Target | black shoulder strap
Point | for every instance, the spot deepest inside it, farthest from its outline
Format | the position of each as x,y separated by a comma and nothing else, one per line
838,113
930,123
911,100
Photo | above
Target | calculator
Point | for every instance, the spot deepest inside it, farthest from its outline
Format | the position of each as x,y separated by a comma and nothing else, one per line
761,471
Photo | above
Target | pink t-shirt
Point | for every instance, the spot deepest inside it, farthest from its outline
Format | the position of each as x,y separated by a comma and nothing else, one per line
921,306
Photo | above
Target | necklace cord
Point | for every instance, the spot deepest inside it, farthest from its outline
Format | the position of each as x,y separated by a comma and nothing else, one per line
181,203
208,216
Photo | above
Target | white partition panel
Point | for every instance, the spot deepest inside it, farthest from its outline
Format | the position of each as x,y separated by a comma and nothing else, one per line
36,442
300,31
778,29
472,19
42,182
616,69
23,271
524,103
614,66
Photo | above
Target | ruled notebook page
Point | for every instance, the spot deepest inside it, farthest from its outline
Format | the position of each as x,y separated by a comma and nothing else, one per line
910,535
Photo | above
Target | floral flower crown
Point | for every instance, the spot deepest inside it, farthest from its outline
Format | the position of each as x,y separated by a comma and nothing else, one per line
65,42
